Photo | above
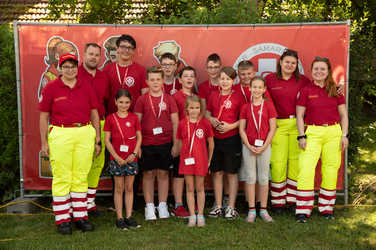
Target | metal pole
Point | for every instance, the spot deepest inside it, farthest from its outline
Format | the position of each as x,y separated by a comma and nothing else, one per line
19,107
345,180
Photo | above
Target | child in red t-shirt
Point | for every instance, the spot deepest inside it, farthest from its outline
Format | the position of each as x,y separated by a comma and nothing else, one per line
123,141
171,84
257,127
193,132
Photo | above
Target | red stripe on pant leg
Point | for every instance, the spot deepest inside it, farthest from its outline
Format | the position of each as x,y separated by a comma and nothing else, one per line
278,190
303,199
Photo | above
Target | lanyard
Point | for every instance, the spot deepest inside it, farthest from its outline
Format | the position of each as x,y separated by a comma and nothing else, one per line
125,76
224,104
173,86
254,118
152,107
243,92
184,95
193,136
219,88
121,132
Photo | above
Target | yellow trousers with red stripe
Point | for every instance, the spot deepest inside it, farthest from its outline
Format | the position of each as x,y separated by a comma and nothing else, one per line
284,163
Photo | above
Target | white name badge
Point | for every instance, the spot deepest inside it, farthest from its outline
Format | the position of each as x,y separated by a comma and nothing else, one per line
292,116
259,143
124,148
157,131
189,161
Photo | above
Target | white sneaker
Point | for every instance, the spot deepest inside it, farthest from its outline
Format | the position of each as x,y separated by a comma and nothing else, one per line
162,210
231,213
150,212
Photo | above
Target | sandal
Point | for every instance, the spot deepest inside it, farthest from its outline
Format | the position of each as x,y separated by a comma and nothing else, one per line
251,216
266,217
192,221
200,221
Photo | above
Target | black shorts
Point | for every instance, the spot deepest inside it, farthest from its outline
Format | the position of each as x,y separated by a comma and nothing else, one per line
156,157
175,171
227,155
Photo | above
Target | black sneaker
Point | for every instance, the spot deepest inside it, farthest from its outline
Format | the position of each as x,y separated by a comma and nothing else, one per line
120,223
96,213
64,228
278,210
84,225
130,222
292,208
328,216
302,218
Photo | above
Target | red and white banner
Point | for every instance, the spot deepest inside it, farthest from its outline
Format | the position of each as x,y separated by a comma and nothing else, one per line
41,46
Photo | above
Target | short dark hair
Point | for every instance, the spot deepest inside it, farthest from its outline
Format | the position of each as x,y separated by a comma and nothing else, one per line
187,68
215,58
93,45
123,92
243,65
168,55
229,71
126,38
154,69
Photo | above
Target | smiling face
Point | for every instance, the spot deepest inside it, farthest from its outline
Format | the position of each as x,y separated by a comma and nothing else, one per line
187,79
92,56
194,109
126,54
69,70
155,82
123,103
257,88
288,65
168,66
245,76
320,71
226,82
213,69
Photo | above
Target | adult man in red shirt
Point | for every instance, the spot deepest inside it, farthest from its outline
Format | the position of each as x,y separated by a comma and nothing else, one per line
89,72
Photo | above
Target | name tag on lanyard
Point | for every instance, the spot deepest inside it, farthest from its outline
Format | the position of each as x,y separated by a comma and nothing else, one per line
157,131
124,148
259,143
190,161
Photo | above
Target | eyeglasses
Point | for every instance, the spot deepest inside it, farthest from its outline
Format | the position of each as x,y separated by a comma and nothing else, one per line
167,65
67,68
124,48
322,58
213,68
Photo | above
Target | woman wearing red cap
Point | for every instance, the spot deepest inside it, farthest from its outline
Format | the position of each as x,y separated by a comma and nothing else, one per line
69,104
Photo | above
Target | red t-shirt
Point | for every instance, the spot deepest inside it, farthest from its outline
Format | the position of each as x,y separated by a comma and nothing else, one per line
135,81
283,93
268,112
230,113
168,88
199,149
248,93
99,83
180,98
206,89
129,125
68,105
149,122
320,109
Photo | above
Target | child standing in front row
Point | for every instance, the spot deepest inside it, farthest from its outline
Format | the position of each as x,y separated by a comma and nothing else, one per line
257,127
123,141
195,158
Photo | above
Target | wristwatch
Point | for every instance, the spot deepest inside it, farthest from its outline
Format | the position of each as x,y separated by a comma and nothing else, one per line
99,143
133,153
301,136
345,135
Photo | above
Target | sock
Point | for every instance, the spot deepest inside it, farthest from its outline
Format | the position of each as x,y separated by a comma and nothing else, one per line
263,210
252,210
178,204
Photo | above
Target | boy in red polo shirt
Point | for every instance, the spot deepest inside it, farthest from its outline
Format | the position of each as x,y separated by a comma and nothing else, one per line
159,119
171,84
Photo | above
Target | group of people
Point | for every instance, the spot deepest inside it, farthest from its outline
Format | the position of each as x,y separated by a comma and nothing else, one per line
154,123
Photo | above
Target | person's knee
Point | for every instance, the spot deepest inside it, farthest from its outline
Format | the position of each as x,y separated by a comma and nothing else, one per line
129,188
199,187
149,175
190,187
162,175
218,174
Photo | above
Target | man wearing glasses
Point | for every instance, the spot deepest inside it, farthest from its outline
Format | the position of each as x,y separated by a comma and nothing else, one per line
125,74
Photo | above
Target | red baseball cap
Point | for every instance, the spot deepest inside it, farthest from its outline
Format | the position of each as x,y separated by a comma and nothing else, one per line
67,56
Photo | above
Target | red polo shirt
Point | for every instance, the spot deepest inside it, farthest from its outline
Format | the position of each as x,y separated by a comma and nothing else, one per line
283,93
230,113
68,105
320,109
149,121
168,88
99,82
248,93
180,98
206,89
134,82
268,112
129,125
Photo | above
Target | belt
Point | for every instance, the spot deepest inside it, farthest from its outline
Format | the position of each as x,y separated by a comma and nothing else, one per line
74,125
323,125
286,117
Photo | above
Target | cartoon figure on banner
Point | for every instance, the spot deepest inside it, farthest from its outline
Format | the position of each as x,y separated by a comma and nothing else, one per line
111,54
264,57
56,47
173,48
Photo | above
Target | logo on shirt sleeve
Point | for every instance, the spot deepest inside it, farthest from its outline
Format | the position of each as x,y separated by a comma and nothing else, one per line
163,106
129,81
228,104
297,96
40,98
200,133
173,91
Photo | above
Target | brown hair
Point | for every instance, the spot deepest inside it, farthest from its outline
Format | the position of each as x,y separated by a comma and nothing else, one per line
243,65
330,84
288,52
229,71
123,92
259,78
193,98
154,69
214,58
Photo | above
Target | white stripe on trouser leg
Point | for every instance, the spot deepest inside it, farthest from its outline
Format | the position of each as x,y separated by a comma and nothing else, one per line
278,185
327,192
61,198
62,217
78,195
61,207
276,194
327,202
304,203
90,198
79,215
79,204
326,208
303,211
291,191
305,193
283,201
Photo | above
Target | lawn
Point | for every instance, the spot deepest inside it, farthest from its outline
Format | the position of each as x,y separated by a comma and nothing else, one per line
353,228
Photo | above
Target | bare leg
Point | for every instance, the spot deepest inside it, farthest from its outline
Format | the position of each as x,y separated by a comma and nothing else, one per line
218,187
250,194
190,189
162,177
200,189
178,187
148,185
233,185
128,195
118,196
